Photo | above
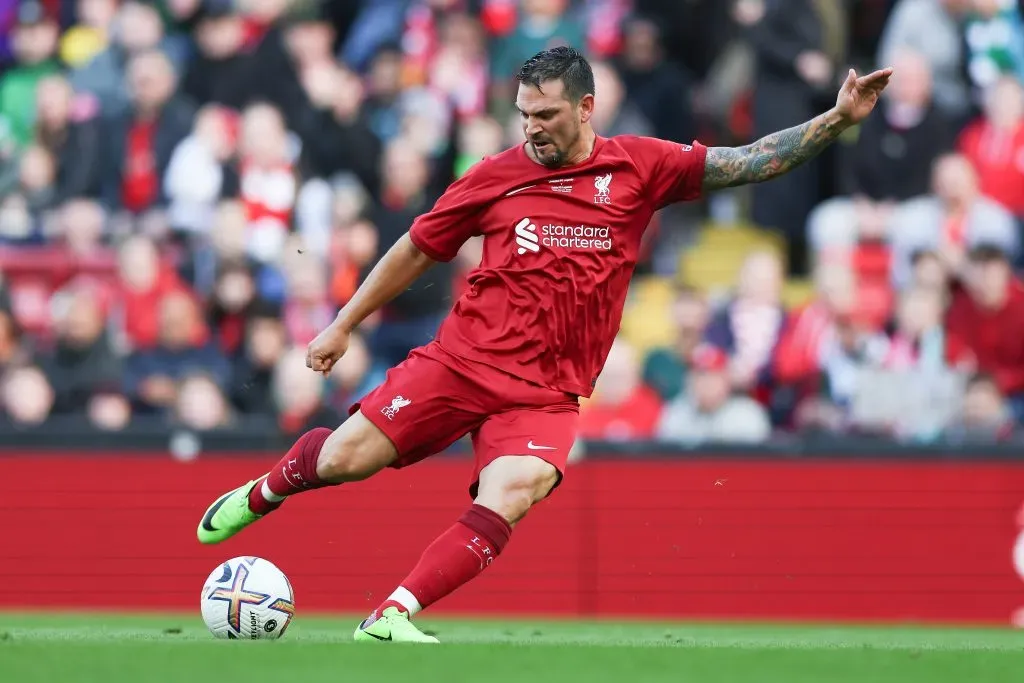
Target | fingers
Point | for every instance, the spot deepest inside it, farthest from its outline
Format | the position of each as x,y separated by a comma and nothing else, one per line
318,363
876,79
321,365
876,75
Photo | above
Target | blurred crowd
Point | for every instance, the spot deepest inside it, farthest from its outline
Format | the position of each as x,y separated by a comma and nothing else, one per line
190,189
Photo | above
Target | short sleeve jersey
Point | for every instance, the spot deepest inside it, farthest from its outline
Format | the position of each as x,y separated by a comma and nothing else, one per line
559,250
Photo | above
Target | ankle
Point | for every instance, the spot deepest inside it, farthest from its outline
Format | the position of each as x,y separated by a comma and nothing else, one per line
393,603
258,500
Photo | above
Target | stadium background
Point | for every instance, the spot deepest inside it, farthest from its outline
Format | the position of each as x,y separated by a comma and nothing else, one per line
813,407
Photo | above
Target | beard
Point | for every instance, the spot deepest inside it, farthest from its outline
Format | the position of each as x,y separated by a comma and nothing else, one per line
555,156
552,159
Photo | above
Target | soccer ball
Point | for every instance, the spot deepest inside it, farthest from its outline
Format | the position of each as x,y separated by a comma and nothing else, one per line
247,598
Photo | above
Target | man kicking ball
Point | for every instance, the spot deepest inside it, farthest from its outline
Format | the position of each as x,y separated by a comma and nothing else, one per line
562,217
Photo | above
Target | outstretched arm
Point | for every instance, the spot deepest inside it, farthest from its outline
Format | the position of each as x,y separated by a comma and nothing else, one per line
779,153
397,269
772,155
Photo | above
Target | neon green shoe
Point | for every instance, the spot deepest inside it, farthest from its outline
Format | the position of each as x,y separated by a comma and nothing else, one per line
392,625
228,515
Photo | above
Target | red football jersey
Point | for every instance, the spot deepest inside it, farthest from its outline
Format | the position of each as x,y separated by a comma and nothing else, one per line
559,249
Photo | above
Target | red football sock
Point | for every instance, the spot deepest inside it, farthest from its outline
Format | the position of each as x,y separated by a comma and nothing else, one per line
456,556
294,473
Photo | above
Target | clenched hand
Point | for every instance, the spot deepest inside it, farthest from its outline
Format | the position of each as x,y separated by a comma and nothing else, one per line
328,347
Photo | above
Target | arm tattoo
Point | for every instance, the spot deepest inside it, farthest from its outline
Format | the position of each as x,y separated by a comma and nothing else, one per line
771,156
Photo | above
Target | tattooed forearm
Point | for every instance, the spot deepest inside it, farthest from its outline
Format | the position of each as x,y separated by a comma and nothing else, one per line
772,155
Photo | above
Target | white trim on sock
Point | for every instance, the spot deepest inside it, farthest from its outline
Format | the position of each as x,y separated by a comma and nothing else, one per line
406,599
269,495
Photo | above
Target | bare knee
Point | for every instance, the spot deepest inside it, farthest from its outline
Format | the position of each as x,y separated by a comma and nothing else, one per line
355,451
511,485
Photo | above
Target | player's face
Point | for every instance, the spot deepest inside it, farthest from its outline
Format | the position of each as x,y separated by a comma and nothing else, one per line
552,123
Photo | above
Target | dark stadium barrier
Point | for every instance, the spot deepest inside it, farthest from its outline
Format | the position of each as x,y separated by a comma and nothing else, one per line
815,539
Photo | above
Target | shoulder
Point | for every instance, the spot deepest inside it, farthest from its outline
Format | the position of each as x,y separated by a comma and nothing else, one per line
744,404
649,154
180,109
918,208
1017,293
990,220
908,9
745,410
970,132
990,208
677,411
646,145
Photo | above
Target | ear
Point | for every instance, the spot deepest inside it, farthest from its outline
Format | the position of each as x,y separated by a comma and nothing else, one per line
586,107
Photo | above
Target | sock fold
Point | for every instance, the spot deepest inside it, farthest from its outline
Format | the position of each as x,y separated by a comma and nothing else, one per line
294,473
489,524
455,557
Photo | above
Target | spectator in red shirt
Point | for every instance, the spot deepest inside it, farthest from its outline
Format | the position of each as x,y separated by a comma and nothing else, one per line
622,407
144,283
268,179
184,348
987,315
995,145
813,328
140,142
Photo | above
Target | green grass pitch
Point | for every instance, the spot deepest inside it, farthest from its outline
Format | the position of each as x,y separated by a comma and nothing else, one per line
114,648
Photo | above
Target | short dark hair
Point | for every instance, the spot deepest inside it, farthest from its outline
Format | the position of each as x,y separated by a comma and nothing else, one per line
921,254
559,63
982,379
988,253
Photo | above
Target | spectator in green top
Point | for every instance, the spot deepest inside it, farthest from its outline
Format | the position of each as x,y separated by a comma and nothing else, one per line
542,24
35,46
665,369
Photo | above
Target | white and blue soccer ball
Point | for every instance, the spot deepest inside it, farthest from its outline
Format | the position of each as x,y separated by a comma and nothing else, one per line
247,598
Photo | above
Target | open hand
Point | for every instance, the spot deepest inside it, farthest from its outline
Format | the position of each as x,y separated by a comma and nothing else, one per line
858,96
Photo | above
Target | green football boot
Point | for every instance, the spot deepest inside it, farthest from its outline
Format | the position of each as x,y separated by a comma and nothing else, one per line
228,515
393,625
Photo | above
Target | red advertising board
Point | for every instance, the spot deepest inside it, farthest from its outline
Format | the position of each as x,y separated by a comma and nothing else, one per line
822,540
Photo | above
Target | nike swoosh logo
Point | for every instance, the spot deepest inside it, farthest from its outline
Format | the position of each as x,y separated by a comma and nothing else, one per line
208,517
517,191
534,447
374,635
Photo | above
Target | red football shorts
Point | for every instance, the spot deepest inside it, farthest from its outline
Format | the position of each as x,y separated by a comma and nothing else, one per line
433,399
